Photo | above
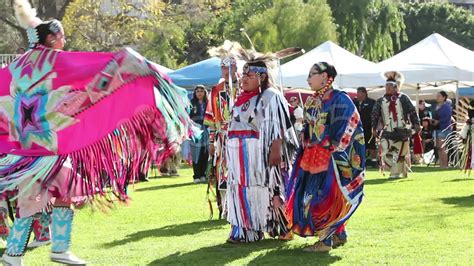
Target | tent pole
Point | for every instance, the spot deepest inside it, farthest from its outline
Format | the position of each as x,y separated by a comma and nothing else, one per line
280,77
457,92
417,99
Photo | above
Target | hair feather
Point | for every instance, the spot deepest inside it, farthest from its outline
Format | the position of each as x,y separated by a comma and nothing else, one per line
26,14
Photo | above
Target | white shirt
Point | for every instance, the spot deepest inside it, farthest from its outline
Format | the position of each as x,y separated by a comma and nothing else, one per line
298,113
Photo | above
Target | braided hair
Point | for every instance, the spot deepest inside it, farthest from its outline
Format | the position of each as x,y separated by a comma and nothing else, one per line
325,67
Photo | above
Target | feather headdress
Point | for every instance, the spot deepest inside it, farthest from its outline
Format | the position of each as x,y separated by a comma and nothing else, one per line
271,60
227,52
250,56
455,143
25,14
461,112
395,77
36,29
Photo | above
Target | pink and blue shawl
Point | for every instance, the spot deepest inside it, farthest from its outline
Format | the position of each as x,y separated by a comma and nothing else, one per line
106,116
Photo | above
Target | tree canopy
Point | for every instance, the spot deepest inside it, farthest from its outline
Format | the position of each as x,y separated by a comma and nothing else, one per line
109,25
423,19
369,28
179,32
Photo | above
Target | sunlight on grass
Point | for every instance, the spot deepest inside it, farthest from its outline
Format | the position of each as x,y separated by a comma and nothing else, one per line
425,219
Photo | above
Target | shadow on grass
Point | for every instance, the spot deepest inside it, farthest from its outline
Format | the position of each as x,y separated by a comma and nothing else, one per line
460,180
227,253
163,187
386,180
169,231
431,169
282,256
464,202
154,172
159,176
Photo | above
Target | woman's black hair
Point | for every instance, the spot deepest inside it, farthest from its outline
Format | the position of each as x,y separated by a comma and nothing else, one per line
444,94
362,89
264,84
199,87
325,67
470,112
46,28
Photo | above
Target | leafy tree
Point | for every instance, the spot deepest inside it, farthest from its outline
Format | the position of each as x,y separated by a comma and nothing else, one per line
108,25
292,23
165,45
273,25
228,23
184,35
370,28
10,40
423,1
423,19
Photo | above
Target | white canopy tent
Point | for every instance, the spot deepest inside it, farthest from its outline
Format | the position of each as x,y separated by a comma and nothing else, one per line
353,71
428,93
433,59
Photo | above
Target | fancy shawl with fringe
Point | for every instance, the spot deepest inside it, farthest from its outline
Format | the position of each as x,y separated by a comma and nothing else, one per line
100,119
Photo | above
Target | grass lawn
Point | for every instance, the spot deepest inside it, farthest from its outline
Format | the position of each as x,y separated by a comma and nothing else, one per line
425,219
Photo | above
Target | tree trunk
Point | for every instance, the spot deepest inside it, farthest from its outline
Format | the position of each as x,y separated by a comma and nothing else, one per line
47,10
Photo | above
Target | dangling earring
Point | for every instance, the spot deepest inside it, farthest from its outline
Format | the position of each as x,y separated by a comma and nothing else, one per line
259,83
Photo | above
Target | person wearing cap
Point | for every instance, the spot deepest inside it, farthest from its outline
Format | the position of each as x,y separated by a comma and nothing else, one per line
365,105
328,175
260,145
399,120
217,117
423,110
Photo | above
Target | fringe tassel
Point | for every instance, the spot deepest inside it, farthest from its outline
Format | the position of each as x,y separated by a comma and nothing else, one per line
252,182
103,169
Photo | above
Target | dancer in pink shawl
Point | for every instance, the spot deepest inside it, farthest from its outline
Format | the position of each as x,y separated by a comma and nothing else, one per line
78,127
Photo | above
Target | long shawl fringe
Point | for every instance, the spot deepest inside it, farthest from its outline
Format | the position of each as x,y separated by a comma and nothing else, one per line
106,167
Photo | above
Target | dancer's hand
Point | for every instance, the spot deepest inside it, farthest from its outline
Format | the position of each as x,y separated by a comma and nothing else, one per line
374,132
275,153
212,150
277,202
302,138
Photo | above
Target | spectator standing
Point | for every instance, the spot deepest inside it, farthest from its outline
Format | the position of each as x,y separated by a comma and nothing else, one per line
296,114
364,106
443,125
423,110
199,147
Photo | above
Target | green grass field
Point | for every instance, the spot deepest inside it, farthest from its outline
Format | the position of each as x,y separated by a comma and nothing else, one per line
425,219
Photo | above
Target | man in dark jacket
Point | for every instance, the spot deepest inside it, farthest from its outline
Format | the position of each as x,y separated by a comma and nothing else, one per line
365,105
